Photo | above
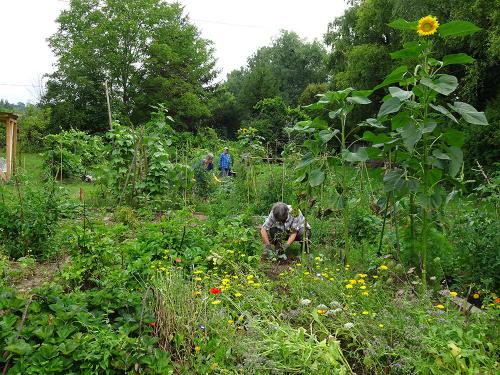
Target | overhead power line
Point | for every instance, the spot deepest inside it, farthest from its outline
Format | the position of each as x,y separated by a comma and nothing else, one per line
19,85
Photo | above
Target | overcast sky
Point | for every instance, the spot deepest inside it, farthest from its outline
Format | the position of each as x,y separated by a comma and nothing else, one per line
237,28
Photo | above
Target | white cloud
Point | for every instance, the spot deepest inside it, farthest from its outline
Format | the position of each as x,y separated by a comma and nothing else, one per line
237,28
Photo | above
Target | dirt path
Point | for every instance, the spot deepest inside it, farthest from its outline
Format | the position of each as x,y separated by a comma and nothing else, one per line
26,277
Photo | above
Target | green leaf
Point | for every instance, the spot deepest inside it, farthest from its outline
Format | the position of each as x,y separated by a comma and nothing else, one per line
390,106
316,177
360,155
440,155
334,114
301,178
456,159
358,100
402,24
396,92
395,76
458,28
378,139
404,53
429,126
454,137
327,135
307,159
393,181
459,58
445,84
374,123
469,113
20,347
444,111
411,135
400,120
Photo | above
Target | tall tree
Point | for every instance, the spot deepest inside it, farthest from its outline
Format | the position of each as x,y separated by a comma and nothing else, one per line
283,69
146,50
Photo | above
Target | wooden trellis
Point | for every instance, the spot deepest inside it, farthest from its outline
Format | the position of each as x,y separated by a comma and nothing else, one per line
10,121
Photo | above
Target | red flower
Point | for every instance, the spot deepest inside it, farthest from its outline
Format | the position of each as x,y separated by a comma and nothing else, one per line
152,324
178,260
214,290
497,300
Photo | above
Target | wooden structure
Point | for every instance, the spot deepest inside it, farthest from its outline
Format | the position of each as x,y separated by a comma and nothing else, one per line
10,121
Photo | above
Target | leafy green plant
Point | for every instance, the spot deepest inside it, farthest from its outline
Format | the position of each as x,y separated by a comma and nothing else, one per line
28,223
72,153
318,160
425,149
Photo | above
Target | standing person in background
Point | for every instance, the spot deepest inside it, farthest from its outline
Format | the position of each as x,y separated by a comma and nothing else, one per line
225,163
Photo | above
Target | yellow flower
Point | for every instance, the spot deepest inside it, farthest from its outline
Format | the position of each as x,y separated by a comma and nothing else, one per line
427,26
237,294
362,287
256,284
362,275
365,293
349,286
321,312
197,348
306,273
317,258
361,281
249,277
476,295
196,292
352,281
365,312
453,294
198,278
230,321
440,306
381,325
225,281
383,267
216,302
250,281
298,264
197,272
235,277
375,277
241,318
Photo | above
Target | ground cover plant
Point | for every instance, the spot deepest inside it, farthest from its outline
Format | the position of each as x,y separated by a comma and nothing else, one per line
154,265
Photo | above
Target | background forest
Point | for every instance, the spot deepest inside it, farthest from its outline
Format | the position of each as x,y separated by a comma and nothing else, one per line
149,53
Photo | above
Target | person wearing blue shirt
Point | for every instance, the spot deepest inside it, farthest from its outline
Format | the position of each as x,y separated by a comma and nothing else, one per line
225,163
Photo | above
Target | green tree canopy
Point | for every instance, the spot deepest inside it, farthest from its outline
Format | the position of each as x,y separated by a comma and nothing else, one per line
146,50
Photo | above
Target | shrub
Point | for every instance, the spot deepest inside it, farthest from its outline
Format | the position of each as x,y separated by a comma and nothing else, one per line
476,243
28,224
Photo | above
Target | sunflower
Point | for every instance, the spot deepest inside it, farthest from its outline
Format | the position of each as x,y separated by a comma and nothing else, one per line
427,26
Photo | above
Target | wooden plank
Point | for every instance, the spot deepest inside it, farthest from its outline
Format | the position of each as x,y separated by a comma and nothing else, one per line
8,148
14,146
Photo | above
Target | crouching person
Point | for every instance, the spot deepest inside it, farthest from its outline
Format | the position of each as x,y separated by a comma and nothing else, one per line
282,228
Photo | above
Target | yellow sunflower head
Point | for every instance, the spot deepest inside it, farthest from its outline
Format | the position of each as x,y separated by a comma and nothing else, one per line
427,26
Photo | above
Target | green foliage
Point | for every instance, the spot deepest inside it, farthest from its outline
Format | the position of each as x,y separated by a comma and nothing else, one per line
72,153
28,221
481,143
127,44
475,259
282,69
97,331
33,125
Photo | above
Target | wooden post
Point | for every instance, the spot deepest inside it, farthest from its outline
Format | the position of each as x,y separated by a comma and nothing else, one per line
14,147
9,141
109,106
